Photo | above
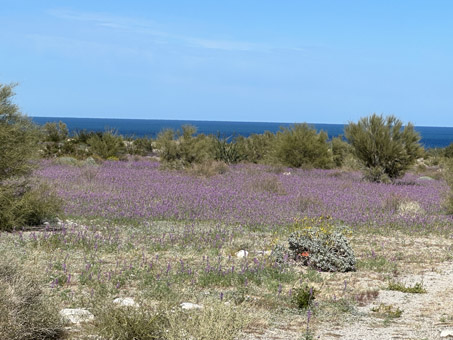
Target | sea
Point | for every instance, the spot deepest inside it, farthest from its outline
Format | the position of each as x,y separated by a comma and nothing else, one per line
431,137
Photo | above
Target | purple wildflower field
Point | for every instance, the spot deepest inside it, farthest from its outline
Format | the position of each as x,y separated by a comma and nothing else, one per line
246,194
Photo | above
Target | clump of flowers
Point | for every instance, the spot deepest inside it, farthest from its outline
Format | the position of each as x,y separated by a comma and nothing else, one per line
319,243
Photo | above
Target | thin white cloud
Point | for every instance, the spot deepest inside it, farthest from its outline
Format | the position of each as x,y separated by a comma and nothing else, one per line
149,28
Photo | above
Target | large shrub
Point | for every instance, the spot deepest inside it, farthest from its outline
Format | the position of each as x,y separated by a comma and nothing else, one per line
301,146
20,201
385,149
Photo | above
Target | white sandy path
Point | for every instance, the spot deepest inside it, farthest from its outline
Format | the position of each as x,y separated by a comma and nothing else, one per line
421,318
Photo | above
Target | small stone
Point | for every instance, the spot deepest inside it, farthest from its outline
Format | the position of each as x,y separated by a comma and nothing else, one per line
190,305
76,315
126,302
287,173
447,333
426,178
242,253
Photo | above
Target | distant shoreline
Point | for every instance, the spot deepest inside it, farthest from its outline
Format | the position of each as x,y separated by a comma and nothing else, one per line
432,137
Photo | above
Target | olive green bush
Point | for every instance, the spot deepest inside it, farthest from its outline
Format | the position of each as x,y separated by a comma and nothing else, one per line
226,151
20,202
106,145
56,140
384,148
301,146
449,179
256,148
341,150
179,149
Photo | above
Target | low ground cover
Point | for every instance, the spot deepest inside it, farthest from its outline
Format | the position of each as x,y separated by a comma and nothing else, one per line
167,237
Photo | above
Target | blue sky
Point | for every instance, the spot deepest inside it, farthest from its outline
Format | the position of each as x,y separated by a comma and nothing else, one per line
278,61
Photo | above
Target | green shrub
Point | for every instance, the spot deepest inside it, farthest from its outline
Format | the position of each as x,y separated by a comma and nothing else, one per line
182,148
20,202
323,247
449,179
141,146
23,205
341,150
106,145
400,287
18,138
300,146
225,151
24,312
384,148
256,148
448,151
55,132
304,296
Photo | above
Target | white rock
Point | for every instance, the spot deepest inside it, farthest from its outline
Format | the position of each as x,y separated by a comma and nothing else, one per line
126,302
189,305
76,315
286,173
242,253
446,333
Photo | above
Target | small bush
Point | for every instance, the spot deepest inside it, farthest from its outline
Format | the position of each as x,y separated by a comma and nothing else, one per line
449,179
24,313
107,144
304,296
226,151
269,184
208,169
323,246
400,287
387,311
21,206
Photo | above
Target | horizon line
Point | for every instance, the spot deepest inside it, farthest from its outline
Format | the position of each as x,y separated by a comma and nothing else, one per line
220,121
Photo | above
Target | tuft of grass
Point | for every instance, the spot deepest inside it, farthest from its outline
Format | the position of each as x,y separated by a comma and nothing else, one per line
400,287
387,311
25,314
123,323
216,321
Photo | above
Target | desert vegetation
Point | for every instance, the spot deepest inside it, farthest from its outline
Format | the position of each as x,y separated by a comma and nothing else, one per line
209,237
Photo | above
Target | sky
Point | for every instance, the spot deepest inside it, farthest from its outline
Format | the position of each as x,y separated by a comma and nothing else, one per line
237,60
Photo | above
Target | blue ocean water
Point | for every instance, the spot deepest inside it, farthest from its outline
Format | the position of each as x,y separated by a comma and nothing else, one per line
431,136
